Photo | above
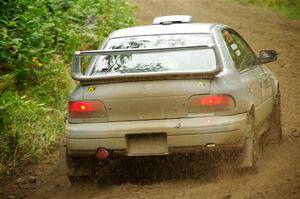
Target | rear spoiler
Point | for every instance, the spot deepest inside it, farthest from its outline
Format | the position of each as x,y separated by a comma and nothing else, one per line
86,79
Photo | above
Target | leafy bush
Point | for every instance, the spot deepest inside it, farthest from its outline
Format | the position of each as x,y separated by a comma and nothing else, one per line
37,42
289,8
34,30
27,129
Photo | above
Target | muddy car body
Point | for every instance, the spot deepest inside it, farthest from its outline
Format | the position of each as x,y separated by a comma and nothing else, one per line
171,87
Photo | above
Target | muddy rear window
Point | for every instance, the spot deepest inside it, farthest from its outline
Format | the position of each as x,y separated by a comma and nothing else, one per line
200,59
159,41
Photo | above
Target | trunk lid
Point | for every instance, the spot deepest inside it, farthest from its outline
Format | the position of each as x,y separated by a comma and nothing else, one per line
146,100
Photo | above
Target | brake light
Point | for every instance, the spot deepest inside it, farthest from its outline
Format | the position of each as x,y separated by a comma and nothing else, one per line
214,100
210,103
86,109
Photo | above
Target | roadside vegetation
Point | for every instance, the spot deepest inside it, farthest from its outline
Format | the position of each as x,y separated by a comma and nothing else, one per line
288,8
37,41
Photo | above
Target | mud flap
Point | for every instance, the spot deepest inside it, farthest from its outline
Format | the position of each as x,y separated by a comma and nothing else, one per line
62,162
247,156
250,151
274,134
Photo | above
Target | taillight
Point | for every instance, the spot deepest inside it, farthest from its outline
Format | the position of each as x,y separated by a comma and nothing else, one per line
86,109
210,103
214,100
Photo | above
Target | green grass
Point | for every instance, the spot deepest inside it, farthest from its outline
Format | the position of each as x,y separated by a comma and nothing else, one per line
288,8
30,127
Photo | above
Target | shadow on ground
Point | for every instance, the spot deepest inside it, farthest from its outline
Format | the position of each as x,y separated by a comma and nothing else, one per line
149,170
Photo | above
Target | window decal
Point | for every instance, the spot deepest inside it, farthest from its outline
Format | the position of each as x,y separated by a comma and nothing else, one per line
228,36
234,46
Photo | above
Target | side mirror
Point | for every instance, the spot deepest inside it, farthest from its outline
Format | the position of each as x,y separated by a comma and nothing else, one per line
266,56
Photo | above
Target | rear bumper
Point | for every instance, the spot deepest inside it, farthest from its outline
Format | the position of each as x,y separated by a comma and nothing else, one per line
185,134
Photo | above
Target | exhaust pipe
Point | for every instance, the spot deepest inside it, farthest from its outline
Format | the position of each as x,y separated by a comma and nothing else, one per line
210,145
102,154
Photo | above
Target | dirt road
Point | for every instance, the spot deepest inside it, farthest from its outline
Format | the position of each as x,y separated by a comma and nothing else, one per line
279,175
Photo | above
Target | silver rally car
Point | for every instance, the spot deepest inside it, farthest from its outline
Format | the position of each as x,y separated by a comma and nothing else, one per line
171,87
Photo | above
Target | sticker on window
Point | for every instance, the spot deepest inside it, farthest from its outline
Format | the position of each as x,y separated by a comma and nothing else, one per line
234,46
228,36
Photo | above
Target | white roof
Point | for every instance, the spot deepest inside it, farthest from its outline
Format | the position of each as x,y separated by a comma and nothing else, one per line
172,19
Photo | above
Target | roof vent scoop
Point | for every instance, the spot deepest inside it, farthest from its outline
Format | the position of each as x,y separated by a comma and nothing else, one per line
166,20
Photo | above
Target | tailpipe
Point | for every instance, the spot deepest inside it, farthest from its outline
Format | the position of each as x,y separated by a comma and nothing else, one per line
102,154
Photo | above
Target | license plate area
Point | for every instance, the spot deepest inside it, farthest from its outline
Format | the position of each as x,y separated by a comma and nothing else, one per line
146,144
